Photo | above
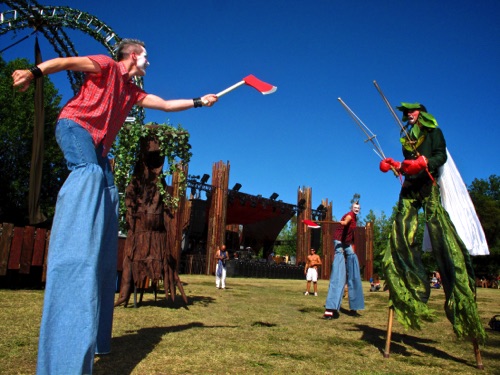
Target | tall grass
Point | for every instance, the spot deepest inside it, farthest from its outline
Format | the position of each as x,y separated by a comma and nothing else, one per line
257,326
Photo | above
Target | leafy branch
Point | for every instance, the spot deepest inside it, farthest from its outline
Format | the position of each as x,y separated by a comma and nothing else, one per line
174,146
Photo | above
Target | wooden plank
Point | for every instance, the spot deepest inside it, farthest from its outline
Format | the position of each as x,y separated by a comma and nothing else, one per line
27,250
39,247
44,273
5,243
15,249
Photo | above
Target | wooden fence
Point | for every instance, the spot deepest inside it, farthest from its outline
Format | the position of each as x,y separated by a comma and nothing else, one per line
23,248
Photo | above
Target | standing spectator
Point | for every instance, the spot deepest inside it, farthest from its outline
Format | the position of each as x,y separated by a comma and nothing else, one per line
221,256
311,271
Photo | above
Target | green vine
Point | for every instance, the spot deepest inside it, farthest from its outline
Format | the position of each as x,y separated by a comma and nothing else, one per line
174,146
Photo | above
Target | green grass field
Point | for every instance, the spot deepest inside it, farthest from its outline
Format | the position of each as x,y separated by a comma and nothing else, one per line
257,326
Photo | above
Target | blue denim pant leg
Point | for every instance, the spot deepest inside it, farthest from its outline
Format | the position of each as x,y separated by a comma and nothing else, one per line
354,285
81,261
337,279
107,270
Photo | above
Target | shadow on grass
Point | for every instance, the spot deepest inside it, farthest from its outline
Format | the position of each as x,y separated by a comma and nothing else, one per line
313,309
400,342
162,302
132,348
493,341
263,324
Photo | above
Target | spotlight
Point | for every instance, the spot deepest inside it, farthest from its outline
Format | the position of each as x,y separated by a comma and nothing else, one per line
274,196
237,187
205,178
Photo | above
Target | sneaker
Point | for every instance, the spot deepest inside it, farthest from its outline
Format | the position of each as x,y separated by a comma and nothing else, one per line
329,315
315,294
306,293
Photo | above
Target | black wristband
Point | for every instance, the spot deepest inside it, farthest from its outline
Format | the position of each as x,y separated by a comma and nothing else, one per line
197,102
36,71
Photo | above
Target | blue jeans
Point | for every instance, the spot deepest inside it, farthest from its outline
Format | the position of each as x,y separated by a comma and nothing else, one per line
338,279
79,294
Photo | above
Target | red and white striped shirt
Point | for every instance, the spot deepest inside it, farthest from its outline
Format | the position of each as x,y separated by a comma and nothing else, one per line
104,101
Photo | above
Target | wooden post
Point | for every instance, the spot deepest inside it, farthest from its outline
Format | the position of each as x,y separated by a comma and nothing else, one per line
477,353
27,250
5,244
389,333
327,239
368,271
303,232
217,215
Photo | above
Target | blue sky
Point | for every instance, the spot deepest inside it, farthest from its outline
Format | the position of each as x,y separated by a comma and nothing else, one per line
443,54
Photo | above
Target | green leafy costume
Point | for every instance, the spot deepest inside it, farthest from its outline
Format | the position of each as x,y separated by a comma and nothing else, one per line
407,280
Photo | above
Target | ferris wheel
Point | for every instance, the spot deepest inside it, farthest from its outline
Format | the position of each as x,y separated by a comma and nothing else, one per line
52,22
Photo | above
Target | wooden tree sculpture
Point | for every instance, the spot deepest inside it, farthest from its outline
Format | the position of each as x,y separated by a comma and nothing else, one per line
146,254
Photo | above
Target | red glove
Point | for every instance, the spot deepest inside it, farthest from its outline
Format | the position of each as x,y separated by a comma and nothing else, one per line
411,167
388,163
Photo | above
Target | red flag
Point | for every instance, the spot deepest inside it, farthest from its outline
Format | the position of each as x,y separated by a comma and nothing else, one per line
263,87
311,224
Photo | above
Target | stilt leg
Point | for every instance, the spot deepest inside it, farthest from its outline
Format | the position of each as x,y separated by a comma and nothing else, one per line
389,333
181,288
479,361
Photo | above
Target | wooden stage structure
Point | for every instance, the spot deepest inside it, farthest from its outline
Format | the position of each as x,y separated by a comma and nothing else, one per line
198,226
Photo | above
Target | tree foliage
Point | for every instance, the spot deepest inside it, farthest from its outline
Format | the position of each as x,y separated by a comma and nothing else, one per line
174,146
381,230
287,239
485,195
16,135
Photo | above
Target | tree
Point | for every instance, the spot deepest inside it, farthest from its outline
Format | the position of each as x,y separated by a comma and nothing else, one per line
382,227
16,132
485,195
287,239
381,230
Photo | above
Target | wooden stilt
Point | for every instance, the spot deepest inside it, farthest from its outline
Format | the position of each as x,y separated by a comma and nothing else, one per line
477,353
181,289
389,333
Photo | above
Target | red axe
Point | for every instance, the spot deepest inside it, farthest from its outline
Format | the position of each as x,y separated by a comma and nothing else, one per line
311,224
263,87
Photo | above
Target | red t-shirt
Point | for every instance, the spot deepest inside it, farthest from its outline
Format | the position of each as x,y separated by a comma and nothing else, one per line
345,233
104,101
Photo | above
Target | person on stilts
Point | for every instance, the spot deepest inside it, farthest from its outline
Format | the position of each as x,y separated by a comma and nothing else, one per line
424,150
79,294
345,267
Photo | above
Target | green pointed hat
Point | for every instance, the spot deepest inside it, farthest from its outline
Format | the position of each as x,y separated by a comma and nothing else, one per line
426,119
